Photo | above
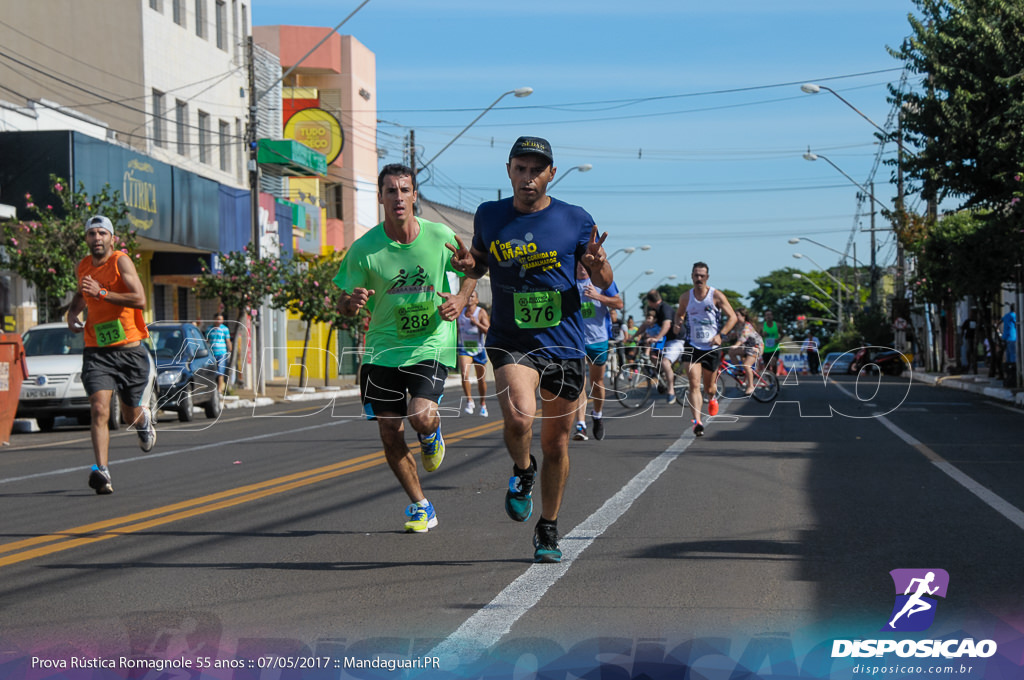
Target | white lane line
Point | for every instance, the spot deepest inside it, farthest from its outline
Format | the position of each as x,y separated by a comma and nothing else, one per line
175,452
483,630
989,498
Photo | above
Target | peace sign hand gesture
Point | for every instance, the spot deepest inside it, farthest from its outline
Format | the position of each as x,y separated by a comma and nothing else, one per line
462,260
594,257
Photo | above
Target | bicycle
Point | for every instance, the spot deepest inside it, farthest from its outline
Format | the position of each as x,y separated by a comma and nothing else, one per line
636,382
766,384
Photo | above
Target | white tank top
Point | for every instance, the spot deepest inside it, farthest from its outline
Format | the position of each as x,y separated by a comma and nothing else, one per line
703,320
469,335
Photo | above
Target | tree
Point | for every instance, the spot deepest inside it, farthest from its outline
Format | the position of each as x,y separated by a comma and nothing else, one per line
967,118
308,290
46,250
242,284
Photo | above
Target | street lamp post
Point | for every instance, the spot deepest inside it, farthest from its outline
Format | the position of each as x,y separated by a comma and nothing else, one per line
839,304
871,194
628,250
519,92
647,272
585,167
856,264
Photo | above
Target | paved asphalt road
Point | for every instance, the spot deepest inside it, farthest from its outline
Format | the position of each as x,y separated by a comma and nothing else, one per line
278,530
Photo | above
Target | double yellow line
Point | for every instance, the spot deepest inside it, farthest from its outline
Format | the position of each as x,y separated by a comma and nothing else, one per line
39,546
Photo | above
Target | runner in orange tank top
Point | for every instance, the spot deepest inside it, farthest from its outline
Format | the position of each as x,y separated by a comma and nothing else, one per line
112,295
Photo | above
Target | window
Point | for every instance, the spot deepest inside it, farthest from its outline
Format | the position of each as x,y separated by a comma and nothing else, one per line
158,5
178,11
205,140
201,18
245,22
239,135
181,119
225,146
234,31
159,133
335,202
221,19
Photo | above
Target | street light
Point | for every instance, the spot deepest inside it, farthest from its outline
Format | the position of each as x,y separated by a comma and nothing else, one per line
808,156
814,299
839,304
586,167
647,272
813,88
856,278
519,92
799,256
628,250
670,277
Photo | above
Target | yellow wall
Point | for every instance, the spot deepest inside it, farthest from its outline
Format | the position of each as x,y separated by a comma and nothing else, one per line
314,353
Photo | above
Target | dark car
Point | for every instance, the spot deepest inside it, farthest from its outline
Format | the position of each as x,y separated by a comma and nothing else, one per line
186,370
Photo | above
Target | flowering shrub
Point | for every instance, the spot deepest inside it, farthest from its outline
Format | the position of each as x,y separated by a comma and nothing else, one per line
45,249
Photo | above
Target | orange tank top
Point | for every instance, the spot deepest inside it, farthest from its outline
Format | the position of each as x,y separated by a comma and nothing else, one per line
110,325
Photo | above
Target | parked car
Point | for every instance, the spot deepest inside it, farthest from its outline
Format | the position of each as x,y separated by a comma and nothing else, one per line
837,363
186,370
54,386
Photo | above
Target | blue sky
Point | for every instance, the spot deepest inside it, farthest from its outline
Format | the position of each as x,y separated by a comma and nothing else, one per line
690,112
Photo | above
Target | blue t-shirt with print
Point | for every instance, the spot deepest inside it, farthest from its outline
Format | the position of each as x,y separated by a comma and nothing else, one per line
532,260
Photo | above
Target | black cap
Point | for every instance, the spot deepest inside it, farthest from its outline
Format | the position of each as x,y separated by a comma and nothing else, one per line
531,145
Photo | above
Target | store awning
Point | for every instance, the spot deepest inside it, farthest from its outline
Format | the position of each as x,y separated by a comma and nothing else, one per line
293,158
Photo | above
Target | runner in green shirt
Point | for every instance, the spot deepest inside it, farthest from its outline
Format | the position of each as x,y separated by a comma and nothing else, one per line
400,271
770,334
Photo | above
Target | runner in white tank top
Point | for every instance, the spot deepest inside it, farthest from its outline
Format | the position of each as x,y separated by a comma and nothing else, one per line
473,324
702,308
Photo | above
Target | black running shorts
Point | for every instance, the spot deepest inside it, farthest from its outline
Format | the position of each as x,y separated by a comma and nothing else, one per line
564,378
384,388
125,369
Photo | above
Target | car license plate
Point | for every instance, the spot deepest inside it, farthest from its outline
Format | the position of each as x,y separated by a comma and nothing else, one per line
45,393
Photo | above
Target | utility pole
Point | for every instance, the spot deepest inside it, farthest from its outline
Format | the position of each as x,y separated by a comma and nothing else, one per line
412,151
874,268
254,208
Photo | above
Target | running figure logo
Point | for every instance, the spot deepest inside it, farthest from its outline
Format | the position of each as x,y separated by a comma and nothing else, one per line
914,609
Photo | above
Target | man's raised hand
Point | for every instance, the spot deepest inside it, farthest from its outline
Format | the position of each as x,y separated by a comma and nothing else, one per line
462,260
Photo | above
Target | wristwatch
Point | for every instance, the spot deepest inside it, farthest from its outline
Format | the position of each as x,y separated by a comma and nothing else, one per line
103,293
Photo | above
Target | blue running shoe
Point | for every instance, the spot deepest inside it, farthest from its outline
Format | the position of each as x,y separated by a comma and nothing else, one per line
519,497
420,519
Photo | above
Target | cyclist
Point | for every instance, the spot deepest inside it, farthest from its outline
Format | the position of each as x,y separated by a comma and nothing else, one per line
664,314
597,305
699,321
748,346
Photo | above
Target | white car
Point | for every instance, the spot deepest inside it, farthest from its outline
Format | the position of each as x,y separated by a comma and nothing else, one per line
54,386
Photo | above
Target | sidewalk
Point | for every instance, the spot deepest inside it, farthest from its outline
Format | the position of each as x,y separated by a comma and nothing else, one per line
979,384
279,391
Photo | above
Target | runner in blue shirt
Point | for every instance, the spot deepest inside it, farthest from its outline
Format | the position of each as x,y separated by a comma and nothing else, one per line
596,324
531,244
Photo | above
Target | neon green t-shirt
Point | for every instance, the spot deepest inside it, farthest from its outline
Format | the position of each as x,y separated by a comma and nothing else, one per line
405,327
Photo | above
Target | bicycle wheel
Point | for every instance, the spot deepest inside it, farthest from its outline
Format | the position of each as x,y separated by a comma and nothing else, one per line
727,386
633,385
681,387
767,386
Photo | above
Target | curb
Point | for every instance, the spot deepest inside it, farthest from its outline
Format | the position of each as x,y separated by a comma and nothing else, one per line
970,385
